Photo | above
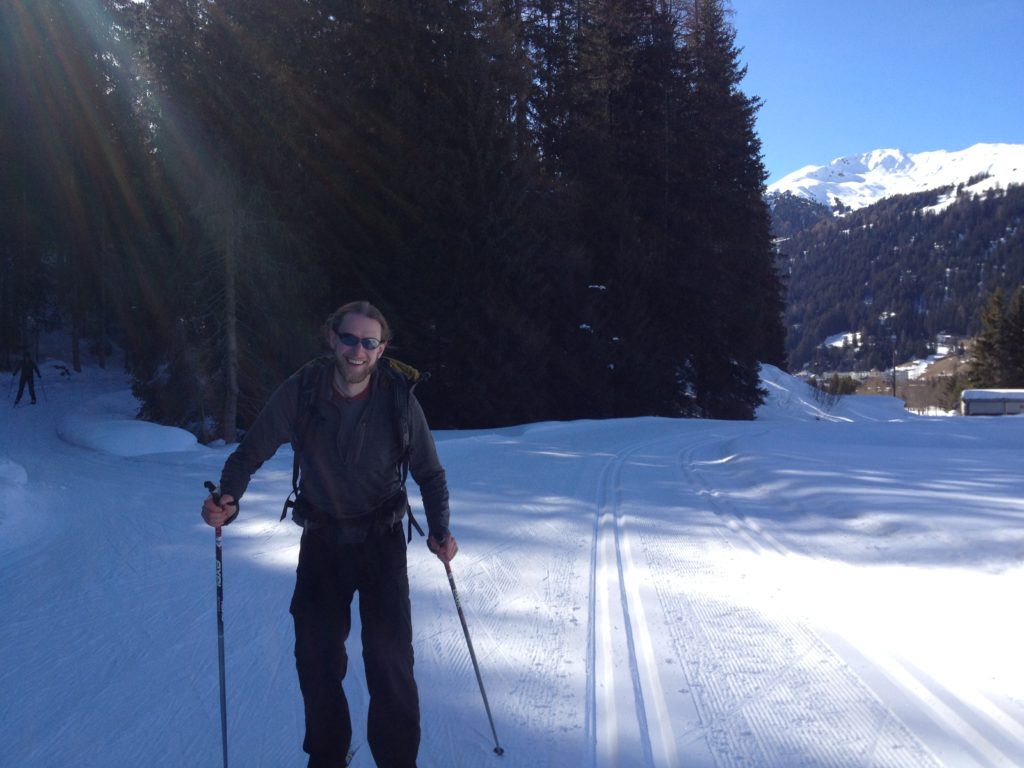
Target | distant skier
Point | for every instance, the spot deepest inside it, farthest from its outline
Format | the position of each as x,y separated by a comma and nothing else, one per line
26,370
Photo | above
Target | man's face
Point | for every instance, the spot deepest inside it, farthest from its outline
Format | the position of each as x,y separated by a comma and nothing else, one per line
353,361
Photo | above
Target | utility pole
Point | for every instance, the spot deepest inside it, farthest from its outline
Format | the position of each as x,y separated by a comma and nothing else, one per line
893,338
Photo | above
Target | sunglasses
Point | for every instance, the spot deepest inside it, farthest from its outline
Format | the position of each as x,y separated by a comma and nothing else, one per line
351,340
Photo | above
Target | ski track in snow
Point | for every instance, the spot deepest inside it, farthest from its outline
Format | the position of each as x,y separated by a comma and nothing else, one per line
741,679
771,692
983,732
623,681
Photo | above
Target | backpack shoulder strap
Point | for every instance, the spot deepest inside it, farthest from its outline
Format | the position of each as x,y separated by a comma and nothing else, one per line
403,378
309,382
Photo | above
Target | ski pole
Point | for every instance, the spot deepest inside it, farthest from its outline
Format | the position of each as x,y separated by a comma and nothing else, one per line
218,541
472,655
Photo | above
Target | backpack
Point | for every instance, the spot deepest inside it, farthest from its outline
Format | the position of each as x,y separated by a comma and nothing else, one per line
309,384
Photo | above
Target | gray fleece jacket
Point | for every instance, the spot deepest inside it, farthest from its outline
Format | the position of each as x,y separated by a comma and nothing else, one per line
350,468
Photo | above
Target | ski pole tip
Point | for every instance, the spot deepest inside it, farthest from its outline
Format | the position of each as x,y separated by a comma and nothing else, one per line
499,751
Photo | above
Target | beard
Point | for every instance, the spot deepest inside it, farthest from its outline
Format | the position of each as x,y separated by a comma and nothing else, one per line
354,374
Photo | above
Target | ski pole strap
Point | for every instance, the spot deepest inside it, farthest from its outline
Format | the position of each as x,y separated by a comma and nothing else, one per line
289,502
404,470
412,523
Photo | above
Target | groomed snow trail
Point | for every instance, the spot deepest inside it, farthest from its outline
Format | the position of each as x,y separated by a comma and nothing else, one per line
676,673
623,674
769,690
644,593
679,676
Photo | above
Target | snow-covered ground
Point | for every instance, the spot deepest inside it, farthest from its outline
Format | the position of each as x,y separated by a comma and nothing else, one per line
810,589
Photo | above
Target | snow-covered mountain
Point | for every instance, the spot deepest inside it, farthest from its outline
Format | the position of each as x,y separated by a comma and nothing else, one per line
860,180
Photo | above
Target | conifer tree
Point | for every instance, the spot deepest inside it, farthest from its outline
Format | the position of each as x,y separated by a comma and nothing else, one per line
988,369
556,200
69,132
1012,339
740,295
645,129
233,323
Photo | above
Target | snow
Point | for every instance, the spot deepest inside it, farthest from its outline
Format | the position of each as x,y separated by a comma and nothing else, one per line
817,587
860,180
840,340
107,424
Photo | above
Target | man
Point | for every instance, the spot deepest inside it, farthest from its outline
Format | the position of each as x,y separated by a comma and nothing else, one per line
352,500
25,369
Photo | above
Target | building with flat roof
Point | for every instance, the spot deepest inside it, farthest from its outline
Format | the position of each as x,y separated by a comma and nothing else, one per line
991,402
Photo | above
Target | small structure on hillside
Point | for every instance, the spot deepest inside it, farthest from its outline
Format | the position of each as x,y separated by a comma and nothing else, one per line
991,402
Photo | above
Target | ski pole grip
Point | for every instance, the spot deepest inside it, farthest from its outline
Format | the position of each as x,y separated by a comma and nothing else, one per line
213,491
215,494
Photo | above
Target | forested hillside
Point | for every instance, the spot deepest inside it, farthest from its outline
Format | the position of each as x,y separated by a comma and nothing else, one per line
559,204
898,273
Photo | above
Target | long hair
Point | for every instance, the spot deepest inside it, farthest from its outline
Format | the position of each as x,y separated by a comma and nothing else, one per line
364,308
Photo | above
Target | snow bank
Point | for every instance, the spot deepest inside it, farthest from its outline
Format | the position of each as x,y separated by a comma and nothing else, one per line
13,479
107,425
790,399
11,472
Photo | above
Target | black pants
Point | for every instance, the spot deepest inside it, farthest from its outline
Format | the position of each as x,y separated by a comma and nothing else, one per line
21,389
329,574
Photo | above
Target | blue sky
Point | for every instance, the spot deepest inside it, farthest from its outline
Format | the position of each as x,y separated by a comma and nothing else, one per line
842,77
